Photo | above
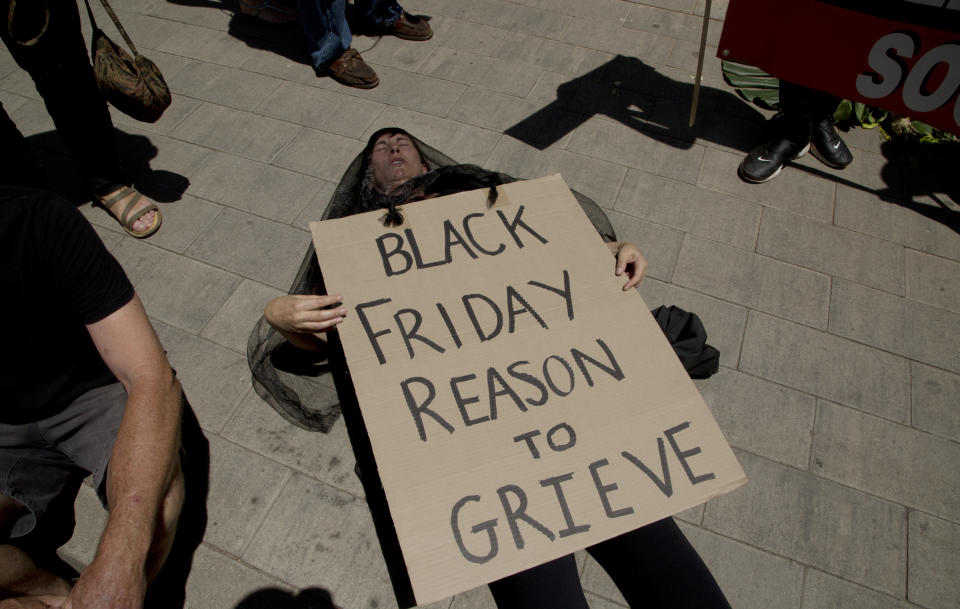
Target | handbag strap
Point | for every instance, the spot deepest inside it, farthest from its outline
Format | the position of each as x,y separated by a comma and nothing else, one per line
116,22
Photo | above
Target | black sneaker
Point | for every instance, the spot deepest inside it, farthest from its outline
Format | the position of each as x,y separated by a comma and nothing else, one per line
764,162
828,148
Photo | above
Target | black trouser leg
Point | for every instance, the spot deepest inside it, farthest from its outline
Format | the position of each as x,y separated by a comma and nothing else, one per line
802,108
18,165
553,585
57,61
655,567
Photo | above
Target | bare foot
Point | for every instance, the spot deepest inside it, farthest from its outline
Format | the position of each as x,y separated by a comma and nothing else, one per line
143,226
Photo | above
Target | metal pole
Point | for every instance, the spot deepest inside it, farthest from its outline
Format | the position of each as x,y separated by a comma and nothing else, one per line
703,46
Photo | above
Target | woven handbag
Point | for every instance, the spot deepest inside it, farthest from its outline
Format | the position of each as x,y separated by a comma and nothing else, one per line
133,85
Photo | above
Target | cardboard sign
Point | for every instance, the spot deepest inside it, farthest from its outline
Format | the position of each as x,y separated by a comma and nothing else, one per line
520,404
900,55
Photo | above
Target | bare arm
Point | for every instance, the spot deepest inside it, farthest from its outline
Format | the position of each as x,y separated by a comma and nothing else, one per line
143,463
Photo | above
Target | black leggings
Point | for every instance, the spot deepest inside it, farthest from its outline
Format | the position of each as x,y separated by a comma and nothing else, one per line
58,64
655,567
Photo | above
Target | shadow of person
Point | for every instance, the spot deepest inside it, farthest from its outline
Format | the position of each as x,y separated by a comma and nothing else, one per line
168,590
634,94
922,178
275,598
136,152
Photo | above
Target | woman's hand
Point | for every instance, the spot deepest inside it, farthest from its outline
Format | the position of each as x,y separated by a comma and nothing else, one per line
629,261
308,317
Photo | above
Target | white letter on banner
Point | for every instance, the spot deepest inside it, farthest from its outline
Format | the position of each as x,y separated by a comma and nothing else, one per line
886,67
914,98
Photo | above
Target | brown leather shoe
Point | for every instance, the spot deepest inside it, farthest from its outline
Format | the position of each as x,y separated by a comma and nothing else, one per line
410,27
350,69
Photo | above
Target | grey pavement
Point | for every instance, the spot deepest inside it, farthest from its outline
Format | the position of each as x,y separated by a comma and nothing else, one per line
834,297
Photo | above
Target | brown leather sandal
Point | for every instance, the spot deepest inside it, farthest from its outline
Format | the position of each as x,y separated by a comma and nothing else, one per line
128,217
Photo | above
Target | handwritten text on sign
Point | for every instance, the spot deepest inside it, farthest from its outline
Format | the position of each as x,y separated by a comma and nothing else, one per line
520,405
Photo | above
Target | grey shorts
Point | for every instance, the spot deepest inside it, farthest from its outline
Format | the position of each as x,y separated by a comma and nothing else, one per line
43,463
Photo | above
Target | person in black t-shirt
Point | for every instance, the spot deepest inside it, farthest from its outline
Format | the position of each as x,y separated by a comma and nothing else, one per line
87,389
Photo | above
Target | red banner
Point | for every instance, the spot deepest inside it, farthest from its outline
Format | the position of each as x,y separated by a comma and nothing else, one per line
900,55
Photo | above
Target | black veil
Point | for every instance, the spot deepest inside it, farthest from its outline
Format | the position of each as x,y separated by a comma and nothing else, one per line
298,384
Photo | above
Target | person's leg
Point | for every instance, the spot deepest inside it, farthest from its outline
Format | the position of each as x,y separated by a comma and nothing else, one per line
813,110
377,14
18,165
45,39
325,27
655,567
555,584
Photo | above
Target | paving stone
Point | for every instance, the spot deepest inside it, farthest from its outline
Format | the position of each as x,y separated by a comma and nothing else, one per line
183,221
223,85
606,10
659,244
467,36
315,208
862,211
264,190
91,519
148,32
19,82
933,280
396,53
864,452
465,143
681,26
791,191
713,128
207,45
826,366
823,590
508,76
404,89
199,291
835,251
610,141
161,162
934,547
735,565
317,535
214,379
243,487
862,139
685,55
31,119
683,6
815,522
7,64
903,326
489,110
327,457
597,93
319,109
551,55
241,133
220,580
319,153
718,9
111,239
205,15
755,281
614,38
285,68
934,399
232,324
690,209
477,598
11,101
761,417
723,321
236,242
597,179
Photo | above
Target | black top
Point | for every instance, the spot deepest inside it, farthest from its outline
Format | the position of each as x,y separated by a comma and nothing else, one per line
55,278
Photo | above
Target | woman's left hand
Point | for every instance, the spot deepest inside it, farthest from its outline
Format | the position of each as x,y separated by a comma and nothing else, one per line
629,261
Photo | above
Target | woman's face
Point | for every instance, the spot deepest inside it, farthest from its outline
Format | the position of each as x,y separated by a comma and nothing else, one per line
394,161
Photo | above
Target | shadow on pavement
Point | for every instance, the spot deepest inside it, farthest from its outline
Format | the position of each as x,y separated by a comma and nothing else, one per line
634,94
136,152
275,598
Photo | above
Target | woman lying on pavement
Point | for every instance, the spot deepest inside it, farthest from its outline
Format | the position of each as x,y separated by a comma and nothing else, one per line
654,566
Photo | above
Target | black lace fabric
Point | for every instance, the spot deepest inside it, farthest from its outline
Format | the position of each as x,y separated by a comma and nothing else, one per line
298,384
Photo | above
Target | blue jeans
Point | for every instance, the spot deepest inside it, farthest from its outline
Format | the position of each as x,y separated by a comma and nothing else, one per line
325,25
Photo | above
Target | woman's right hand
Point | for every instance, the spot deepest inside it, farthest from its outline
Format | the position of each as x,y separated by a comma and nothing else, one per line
301,314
